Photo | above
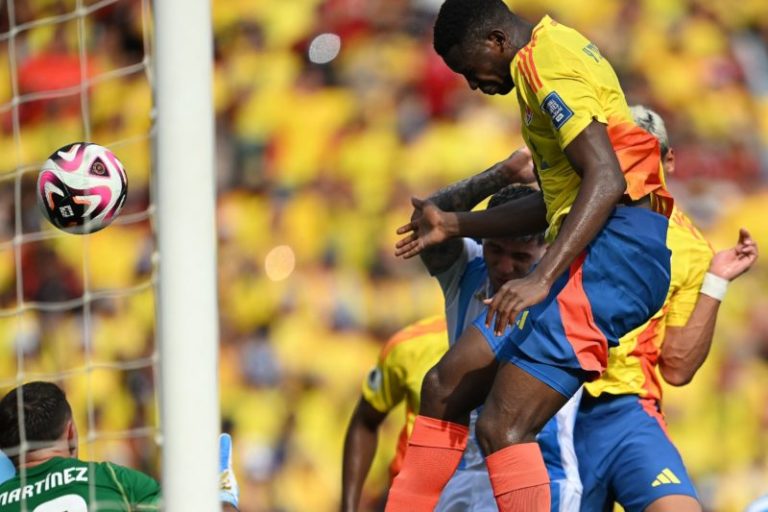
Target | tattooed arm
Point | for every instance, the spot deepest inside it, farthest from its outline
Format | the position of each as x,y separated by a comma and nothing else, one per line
465,195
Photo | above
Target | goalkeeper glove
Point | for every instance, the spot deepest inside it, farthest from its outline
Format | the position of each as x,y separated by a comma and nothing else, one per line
228,489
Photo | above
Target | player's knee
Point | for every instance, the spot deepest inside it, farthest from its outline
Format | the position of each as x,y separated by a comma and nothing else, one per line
441,396
490,432
433,392
496,431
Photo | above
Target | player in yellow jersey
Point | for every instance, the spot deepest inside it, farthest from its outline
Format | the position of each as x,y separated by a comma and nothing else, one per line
623,451
397,376
605,207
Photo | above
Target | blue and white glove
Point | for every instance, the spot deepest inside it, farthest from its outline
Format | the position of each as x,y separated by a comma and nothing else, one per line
229,492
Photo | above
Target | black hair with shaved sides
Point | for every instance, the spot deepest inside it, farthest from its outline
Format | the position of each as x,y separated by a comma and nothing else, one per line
513,193
460,21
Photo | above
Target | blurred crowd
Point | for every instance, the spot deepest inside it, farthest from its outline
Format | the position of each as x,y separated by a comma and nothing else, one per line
330,115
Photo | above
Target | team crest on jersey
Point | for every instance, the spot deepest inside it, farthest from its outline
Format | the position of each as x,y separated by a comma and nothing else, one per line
557,109
374,379
528,115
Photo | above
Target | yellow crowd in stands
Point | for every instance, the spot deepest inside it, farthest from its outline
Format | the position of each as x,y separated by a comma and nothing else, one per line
316,165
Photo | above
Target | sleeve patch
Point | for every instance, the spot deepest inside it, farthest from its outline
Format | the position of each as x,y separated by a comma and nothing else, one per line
554,105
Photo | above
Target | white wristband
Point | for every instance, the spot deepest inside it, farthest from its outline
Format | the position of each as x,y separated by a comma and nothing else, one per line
714,286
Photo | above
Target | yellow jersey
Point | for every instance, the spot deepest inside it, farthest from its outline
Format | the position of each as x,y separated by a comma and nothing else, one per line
404,360
632,364
562,84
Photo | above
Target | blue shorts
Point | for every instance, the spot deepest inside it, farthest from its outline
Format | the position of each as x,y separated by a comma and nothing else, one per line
559,453
625,454
618,282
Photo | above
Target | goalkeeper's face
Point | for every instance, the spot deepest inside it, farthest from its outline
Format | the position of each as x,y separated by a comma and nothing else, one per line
484,64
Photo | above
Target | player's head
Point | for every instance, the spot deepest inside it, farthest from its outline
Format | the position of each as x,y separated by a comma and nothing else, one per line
48,420
474,39
511,258
652,122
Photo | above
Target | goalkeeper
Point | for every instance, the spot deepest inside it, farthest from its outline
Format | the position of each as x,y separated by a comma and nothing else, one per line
55,479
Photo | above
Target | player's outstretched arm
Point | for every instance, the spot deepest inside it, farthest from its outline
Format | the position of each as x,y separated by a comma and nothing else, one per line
524,216
686,348
592,156
465,195
359,448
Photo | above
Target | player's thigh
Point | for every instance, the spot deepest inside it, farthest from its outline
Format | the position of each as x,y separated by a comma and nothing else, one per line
461,379
649,468
675,503
517,407
599,430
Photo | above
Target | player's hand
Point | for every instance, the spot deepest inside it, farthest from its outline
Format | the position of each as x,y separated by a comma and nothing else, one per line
229,492
731,263
429,226
513,297
519,166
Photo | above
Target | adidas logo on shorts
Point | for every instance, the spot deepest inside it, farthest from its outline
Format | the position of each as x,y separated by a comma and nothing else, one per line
665,477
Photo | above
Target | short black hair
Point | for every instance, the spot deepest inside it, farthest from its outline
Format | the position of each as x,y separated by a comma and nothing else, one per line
459,20
46,412
513,193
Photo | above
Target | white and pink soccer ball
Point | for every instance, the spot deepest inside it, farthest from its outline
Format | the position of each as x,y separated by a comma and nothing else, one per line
82,188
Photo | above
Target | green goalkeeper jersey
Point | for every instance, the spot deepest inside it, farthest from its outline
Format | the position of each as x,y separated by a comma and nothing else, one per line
71,485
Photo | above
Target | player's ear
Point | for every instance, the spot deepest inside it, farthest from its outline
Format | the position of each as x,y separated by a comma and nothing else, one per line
497,38
668,162
71,433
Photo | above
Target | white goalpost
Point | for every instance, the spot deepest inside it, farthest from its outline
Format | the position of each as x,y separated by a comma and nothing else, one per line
183,363
188,320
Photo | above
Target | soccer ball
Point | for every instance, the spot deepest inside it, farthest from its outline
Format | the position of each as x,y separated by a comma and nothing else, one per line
81,188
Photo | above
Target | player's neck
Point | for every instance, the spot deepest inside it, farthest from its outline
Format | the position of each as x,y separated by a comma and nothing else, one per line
42,456
521,34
